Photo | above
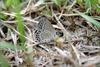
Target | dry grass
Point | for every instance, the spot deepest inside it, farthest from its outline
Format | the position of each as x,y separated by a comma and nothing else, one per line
78,47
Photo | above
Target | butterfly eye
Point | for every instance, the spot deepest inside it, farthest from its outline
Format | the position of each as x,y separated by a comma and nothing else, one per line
59,33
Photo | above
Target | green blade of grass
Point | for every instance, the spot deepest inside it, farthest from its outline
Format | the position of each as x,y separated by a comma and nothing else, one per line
57,2
6,45
3,61
87,3
20,24
2,16
8,3
60,2
15,4
90,19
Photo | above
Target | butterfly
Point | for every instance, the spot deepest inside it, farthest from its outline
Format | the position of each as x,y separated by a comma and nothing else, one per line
45,31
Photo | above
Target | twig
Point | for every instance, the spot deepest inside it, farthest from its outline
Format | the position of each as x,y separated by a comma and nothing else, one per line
66,33
24,18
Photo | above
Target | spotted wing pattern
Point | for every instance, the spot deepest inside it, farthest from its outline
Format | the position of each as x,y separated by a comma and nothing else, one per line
45,31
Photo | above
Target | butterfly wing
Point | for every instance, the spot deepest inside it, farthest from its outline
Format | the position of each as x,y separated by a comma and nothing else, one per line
45,31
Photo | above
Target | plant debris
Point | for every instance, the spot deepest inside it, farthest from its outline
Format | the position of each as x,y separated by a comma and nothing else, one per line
62,38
